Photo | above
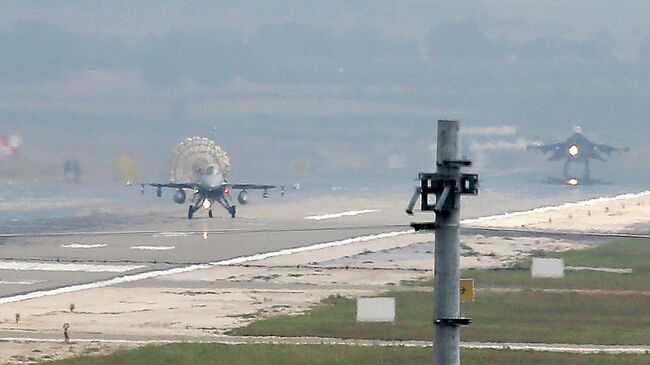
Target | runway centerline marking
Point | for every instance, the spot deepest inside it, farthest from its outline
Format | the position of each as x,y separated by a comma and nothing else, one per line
153,248
81,245
171,234
20,282
58,266
349,213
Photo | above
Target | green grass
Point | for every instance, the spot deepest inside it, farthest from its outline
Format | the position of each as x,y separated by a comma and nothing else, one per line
523,316
501,317
625,254
191,354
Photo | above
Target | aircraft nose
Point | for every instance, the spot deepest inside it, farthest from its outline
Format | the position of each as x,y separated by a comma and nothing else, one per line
213,181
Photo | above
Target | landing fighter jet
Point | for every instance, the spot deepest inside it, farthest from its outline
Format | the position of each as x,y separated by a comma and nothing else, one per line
576,149
201,166
211,188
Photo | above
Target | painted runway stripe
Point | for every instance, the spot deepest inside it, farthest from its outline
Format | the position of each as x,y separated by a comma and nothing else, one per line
153,248
552,208
81,245
349,213
52,266
20,282
171,234
178,270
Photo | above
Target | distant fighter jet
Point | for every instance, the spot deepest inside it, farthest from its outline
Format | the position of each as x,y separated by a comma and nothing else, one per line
71,171
576,149
205,165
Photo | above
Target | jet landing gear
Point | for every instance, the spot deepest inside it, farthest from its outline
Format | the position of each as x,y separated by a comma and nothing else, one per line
190,212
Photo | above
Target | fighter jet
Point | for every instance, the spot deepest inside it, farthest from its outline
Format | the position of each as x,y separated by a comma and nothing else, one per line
201,166
210,189
576,149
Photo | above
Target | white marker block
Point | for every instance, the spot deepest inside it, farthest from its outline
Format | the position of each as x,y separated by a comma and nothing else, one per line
547,268
376,309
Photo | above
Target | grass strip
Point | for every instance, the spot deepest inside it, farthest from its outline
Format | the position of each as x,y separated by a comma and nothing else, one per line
191,354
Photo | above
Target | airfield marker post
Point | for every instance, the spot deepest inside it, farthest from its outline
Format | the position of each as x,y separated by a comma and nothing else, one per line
448,184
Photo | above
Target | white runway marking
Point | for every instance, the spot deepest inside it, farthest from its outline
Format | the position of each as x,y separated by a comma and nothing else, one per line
178,270
81,245
20,282
57,266
556,207
349,213
153,248
171,234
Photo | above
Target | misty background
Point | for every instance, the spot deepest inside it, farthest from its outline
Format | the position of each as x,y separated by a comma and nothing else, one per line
326,93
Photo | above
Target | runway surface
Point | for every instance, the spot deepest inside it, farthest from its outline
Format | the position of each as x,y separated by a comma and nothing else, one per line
44,255
46,261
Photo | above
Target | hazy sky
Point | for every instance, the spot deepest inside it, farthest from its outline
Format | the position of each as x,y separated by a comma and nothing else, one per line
337,86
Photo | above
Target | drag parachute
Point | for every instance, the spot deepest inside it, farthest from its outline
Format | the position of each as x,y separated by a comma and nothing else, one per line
193,156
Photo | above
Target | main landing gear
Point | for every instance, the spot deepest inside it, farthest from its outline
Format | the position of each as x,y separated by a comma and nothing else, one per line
191,210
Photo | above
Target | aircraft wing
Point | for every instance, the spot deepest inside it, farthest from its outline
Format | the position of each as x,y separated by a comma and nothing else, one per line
605,148
544,148
177,185
252,186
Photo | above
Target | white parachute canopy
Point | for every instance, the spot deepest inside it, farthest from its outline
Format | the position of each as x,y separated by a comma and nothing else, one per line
193,156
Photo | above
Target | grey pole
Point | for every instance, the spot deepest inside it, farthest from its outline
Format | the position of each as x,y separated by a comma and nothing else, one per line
448,184
446,347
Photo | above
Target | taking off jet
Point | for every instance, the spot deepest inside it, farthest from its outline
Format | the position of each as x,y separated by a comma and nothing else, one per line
576,149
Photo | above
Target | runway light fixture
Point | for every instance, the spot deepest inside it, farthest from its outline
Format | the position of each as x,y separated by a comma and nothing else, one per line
573,150
206,204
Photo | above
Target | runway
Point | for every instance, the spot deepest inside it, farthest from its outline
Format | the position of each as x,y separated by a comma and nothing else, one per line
48,261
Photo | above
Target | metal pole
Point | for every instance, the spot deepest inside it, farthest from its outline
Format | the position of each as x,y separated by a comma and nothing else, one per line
446,346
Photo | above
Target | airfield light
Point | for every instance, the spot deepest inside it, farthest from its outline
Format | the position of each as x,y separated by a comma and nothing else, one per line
573,150
206,204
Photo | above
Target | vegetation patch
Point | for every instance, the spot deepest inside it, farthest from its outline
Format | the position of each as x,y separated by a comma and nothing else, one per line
511,312
191,354
622,254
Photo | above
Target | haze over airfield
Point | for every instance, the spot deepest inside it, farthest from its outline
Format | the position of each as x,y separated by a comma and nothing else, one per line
337,87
